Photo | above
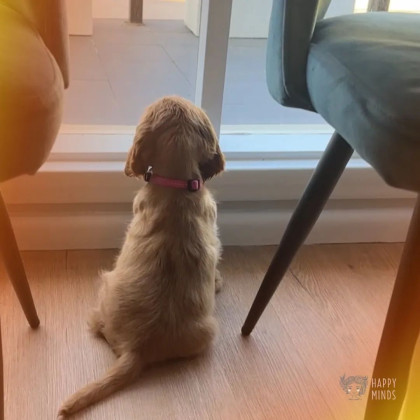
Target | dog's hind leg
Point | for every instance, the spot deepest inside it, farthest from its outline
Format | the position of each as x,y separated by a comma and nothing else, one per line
96,319
97,327
96,324
218,281
198,338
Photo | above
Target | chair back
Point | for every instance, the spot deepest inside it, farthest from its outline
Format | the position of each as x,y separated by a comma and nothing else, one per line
33,67
49,17
292,24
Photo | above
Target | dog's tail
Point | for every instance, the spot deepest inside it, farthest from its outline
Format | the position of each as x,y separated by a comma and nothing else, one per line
126,369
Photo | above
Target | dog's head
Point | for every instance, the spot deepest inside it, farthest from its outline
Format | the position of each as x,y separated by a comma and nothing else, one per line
177,139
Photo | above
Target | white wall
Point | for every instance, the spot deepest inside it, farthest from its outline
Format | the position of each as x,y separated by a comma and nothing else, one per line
192,16
152,9
250,18
111,9
161,9
395,5
79,13
340,7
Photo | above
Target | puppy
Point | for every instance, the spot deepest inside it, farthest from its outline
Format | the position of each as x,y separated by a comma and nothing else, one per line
157,302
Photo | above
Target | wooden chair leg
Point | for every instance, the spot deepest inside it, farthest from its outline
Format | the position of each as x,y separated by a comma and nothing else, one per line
401,329
13,262
316,194
1,381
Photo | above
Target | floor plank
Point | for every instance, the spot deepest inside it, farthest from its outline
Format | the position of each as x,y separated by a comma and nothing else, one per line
324,321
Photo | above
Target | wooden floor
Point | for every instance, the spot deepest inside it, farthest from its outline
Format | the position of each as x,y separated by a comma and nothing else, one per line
324,321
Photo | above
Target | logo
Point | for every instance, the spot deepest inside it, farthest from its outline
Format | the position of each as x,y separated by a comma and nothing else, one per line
383,389
354,386
380,388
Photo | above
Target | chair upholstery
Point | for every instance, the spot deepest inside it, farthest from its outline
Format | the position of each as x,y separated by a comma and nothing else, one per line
31,82
377,116
291,27
49,18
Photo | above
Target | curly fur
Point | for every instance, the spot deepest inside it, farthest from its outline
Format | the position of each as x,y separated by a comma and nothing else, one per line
157,302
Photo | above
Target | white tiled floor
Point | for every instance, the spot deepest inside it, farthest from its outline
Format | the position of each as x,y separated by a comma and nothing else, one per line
122,68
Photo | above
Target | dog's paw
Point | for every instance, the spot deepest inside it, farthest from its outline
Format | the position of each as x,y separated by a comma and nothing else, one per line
218,281
62,414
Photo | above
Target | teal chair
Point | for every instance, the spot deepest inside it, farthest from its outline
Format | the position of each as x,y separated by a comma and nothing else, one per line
360,72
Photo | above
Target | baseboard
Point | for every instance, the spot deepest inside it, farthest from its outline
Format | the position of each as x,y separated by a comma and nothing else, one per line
80,198
252,223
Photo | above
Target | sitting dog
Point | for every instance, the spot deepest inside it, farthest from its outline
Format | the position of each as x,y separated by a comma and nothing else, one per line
157,302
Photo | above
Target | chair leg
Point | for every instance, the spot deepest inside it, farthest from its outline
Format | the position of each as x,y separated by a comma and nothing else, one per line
1,381
14,266
401,329
320,187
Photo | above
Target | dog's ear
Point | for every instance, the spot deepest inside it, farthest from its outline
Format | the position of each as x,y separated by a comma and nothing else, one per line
212,166
139,156
215,163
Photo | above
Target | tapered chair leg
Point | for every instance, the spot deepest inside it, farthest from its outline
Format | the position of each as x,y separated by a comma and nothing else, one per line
14,266
320,187
401,329
1,381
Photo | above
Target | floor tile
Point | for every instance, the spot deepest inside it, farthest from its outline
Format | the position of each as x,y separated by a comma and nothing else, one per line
122,68
90,102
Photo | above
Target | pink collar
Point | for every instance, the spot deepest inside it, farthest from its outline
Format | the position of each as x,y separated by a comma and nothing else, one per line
191,185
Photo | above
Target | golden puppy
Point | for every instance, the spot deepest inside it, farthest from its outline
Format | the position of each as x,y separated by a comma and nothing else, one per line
157,303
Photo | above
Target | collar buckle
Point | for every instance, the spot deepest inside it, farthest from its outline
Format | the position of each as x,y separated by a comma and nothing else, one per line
193,185
148,174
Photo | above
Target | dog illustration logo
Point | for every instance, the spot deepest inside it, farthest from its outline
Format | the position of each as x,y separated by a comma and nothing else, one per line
354,386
